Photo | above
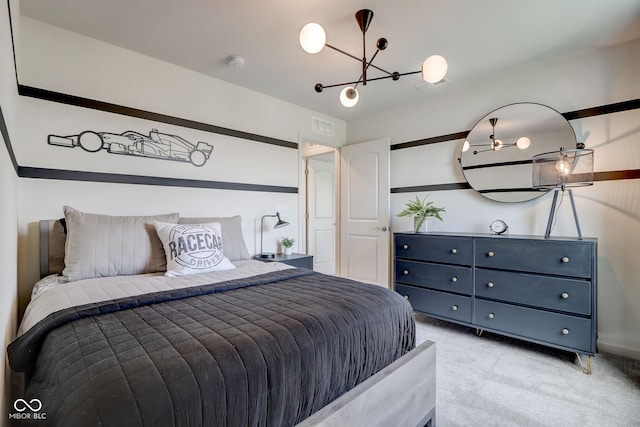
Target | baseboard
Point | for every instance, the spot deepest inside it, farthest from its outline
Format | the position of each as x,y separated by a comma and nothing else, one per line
608,347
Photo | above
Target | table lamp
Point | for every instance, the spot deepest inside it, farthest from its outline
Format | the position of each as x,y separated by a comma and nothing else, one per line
559,170
278,224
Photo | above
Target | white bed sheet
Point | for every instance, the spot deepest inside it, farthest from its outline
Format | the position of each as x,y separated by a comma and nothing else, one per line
53,295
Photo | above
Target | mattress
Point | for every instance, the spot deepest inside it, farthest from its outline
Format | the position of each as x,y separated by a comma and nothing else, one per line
242,347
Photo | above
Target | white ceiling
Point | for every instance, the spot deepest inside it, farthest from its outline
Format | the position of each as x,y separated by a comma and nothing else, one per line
477,38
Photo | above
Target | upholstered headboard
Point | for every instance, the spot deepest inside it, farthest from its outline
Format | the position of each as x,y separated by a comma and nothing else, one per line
52,241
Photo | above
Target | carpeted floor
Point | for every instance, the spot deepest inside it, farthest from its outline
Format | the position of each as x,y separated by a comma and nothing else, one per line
498,381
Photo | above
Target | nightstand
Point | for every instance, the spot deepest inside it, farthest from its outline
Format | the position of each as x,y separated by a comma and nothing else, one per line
296,260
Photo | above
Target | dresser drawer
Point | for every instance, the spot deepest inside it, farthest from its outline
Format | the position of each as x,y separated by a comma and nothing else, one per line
538,256
554,293
454,307
423,247
553,328
436,276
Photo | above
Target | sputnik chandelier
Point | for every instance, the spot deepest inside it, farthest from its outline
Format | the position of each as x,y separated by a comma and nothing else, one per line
496,144
313,39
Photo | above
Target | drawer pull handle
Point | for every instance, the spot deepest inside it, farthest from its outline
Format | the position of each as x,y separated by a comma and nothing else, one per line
454,279
565,259
454,251
564,295
405,246
405,272
491,315
455,308
490,284
490,253
565,331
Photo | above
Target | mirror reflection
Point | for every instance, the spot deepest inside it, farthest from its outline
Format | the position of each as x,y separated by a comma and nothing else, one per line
496,156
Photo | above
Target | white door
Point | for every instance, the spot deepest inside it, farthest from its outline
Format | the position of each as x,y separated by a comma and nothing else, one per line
365,234
321,210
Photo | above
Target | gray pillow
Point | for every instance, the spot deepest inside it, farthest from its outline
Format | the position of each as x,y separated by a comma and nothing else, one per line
103,245
233,244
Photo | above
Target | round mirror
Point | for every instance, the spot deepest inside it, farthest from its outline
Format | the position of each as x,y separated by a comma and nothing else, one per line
496,157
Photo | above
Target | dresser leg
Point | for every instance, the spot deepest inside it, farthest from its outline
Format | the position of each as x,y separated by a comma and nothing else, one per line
479,332
587,369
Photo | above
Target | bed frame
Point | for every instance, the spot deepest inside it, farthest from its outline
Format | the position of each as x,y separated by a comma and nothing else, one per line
403,393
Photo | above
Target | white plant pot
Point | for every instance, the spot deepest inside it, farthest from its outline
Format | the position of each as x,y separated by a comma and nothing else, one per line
423,228
288,251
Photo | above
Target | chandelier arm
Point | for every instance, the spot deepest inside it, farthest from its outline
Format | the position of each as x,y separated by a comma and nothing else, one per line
368,80
342,84
490,149
409,73
357,59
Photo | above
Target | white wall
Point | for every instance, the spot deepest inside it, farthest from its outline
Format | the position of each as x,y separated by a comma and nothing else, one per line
57,60
8,214
608,210
63,61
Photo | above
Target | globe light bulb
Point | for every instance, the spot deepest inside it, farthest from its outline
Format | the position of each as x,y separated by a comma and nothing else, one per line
312,38
349,96
466,146
523,143
434,69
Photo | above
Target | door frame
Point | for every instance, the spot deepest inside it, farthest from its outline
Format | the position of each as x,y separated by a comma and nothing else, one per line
308,148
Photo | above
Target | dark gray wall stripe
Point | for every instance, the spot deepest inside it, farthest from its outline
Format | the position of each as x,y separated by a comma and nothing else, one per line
7,141
597,176
3,124
492,165
69,175
435,187
77,101
432,140
616,175
604,109
572,115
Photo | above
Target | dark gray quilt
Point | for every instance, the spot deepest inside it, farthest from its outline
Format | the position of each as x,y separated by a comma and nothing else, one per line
264,351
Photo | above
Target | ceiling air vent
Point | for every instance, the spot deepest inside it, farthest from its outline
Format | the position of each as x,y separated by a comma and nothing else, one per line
322,127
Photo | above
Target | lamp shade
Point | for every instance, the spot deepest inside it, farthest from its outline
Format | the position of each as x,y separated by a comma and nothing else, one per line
434,69
281,223
561,169
312,38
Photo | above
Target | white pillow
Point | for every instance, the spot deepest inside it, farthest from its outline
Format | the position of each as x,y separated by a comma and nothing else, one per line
192,248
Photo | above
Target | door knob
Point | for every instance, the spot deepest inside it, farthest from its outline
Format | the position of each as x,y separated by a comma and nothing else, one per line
383,228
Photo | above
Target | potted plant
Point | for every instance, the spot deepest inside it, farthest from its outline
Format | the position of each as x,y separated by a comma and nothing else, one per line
287,244
420,210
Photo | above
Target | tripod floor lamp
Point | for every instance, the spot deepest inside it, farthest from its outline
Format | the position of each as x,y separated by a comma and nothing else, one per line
278,224
559,170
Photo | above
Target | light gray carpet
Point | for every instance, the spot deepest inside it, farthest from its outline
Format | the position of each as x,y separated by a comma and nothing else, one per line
498,381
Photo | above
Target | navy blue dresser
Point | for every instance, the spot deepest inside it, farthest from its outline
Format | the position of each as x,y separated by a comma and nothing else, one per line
526,287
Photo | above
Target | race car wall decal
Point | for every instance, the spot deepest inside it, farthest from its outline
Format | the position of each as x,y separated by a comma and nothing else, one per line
157,145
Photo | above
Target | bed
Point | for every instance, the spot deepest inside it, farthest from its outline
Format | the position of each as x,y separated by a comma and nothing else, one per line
256,344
